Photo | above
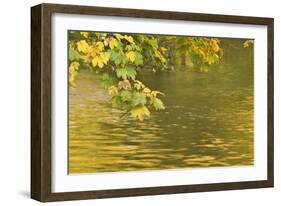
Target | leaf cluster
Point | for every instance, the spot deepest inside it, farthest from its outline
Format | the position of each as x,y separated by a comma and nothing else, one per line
119,58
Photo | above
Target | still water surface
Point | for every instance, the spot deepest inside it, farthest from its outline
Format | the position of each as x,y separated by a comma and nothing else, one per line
208,121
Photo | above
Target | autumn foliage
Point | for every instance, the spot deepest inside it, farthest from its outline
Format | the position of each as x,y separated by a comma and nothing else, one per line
119,58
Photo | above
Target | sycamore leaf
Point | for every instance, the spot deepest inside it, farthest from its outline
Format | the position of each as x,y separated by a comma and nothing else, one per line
140,112
99,45
118,36
159,56
105,42
139,85
73,54
73,71
113,90
95,62
247,43
158,104
138,99
126,72
100,60
125,95
113,43
138,59
215,45
83,46
155,93
131,56
108,80
129,39
116,57
131,72
121,73
146,91
125,84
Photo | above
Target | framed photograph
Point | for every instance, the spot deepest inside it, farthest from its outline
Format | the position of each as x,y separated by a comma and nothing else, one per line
130,102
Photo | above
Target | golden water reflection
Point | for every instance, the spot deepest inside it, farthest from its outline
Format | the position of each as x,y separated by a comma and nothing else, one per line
208,122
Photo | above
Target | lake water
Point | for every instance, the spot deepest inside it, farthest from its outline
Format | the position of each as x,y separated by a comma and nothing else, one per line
208,120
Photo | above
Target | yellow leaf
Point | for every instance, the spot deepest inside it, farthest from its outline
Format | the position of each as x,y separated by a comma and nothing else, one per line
155,93
100,45
113,90
95,62
215,45
94,51
140,112
129,39
73,71
104,57
159,56
100,64
113,43
83,46
146,91
105,42
247,43
131,56
75,65
100,60
125,84
141,85
118,36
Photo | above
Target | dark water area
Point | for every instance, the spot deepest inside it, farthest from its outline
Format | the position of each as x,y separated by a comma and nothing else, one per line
208,120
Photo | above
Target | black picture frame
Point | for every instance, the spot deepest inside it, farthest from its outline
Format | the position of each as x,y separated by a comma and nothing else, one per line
41,117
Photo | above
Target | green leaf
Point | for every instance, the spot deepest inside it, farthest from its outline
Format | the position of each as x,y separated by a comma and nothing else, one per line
140,112
138,59
126,73
116,57
131,72
138,99
108,80
158,104
126,95
121,73
122,100
73,54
